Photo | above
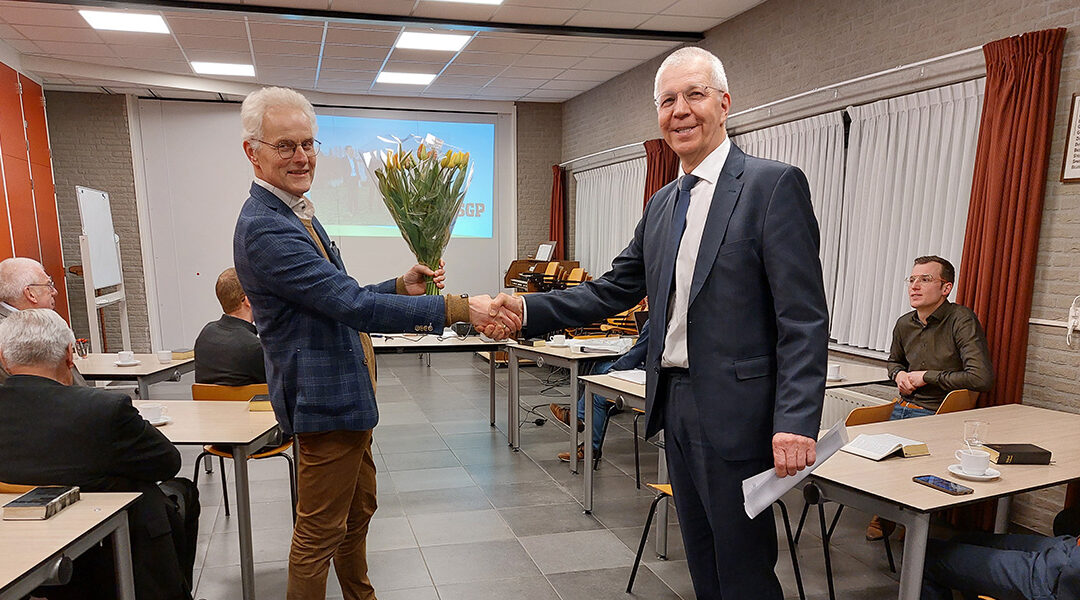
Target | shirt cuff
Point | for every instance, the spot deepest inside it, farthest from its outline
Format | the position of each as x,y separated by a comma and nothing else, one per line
524,312
399,287
457,309
931,377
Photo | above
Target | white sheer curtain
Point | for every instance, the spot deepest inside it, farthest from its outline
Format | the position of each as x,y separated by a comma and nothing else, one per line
908,183
608,207
815,145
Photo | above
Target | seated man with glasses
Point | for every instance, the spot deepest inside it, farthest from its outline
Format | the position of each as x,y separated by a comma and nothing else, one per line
936,348
25,284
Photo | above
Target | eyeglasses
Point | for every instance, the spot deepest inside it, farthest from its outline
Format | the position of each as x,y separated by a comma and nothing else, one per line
51,284
287,148
694,94
923,279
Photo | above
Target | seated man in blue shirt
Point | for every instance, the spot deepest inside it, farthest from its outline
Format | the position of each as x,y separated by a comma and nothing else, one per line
633,359
1004,567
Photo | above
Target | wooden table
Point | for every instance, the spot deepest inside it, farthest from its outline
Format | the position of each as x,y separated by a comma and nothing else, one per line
853,374
102,367
385,343
232,424
885,488
29,550
556,357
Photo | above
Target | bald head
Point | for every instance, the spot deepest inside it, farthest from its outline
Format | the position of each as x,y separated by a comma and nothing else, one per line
25,284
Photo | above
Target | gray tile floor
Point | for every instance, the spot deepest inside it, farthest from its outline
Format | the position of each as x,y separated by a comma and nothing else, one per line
461,517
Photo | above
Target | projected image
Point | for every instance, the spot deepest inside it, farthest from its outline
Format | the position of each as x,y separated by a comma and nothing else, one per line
349,203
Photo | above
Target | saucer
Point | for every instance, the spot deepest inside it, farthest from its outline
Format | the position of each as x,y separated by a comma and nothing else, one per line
127,364
990,474
550,345
840,378
158,422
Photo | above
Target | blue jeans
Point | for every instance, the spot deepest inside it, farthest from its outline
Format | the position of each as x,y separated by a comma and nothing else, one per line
600,405
904,412
1006,567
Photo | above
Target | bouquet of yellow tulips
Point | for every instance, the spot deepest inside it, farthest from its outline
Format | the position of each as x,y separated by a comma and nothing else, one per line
423,190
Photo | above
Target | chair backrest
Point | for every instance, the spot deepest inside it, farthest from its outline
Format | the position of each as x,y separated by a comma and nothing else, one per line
958,400
14,488
870,414
552,268
242,393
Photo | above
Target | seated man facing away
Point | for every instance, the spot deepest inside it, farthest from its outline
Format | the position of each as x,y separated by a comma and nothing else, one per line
228,351
25,284
936,348
633,359
1002,566
54,433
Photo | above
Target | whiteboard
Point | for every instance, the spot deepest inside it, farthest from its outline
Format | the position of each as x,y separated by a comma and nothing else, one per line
97,226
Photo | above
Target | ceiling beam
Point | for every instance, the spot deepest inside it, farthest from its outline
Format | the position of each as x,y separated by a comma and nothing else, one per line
341,16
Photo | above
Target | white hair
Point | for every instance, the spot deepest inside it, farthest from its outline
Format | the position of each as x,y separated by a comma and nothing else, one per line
691,54
35,337
254,108
15,274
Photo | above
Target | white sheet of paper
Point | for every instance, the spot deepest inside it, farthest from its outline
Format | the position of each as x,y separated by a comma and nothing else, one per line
633,376
761,490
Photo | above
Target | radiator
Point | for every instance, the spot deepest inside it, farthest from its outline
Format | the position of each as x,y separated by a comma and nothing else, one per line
839,402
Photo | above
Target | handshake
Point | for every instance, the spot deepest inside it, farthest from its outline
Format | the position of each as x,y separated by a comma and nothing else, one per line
499,317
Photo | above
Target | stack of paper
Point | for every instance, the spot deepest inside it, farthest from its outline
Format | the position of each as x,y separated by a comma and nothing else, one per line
761,490
633,376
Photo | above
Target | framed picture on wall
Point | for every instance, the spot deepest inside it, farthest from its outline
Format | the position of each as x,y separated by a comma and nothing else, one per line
1070,164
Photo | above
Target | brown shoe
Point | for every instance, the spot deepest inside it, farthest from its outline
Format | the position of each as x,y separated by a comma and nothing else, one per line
565,456
878,527
562,413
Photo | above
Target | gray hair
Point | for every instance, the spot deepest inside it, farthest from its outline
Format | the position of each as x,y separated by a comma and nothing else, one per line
258,102
691,54
35,337
15,274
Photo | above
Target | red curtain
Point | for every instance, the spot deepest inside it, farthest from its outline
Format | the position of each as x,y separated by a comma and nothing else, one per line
661,166
1005,213
557,226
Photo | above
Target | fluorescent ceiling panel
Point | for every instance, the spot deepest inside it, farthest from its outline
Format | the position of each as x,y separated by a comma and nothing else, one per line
215,68
123,21
405,78
445,42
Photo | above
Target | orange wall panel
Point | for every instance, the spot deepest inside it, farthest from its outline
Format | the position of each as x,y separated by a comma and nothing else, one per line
21,207
12,135
48,226
6,250
33,106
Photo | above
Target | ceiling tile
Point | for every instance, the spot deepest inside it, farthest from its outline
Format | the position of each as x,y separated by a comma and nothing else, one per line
285,47
382,7
287,32
286,60
24,46
563,84
630,50
149,53
284,72
711,8
669,23
452,10
638,6
487,58
564,47
226,26
398,66
163,66
332,75
108,61
436,87
565,4
586,75
22,13
483,70
220,56
58,34
552,95
533,15
502,44
532,72
473,80
608,64
75,48
205,42
130,38
512,82
597,18
338,34
554,62
7,32
370,52
351,64
309,4
345,87
421,55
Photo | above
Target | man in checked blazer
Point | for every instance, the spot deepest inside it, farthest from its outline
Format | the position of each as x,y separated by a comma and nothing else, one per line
320,370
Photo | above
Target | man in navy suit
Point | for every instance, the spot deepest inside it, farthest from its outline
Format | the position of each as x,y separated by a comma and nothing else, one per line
728,255
320,371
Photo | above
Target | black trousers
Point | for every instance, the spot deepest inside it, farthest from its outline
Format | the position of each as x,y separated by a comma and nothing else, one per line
730,556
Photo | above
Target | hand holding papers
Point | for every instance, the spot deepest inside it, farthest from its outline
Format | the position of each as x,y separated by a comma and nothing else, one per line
761,490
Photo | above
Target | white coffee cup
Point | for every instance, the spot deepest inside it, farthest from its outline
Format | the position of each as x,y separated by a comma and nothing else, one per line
152,412
973,462
558,340
164,356
834,371
125,356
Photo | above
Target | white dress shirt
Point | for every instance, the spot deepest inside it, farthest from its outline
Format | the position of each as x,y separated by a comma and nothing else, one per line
701,195
300,205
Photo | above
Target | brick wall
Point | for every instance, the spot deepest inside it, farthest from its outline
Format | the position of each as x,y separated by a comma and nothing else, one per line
539,135
91,147
784,47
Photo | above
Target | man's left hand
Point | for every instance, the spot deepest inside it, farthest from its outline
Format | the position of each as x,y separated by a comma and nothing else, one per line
792,453
416,278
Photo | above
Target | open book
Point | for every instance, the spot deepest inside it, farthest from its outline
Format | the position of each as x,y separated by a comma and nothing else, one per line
878,446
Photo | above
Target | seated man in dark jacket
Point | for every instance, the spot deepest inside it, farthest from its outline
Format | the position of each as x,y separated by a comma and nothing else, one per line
54,433
1004,567
228,351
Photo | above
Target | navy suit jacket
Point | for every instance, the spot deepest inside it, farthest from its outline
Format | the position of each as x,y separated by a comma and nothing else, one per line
757,323
309,311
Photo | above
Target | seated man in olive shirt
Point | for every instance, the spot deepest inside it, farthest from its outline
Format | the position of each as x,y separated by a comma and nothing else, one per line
228,351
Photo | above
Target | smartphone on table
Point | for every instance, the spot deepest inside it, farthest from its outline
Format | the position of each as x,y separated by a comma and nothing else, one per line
944,485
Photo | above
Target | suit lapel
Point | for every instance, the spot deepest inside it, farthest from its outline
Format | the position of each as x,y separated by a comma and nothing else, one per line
331,248
726,194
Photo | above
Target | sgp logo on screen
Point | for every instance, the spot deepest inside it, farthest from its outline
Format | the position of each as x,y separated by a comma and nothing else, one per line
471,209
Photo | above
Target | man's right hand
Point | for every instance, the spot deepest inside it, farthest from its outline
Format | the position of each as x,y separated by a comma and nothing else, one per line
492,318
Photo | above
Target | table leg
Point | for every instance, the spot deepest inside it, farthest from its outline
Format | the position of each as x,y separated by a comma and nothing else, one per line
588,439
573,416
911,573
144,389
491,384
662,508
512,399
243,514
125,578
1001,517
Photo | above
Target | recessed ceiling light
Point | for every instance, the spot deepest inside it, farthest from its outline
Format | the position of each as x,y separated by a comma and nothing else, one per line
124,21
471,1
214,68
447,42
405,78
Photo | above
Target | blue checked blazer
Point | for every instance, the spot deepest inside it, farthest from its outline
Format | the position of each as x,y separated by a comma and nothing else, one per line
309,311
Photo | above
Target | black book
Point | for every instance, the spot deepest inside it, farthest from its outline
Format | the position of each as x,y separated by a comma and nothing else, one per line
41,503
1017,454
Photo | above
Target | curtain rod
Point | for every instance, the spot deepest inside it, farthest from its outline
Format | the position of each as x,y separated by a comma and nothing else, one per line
595,154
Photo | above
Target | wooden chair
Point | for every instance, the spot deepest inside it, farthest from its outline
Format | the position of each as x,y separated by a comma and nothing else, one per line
663,490
14,488
240,393
958,400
